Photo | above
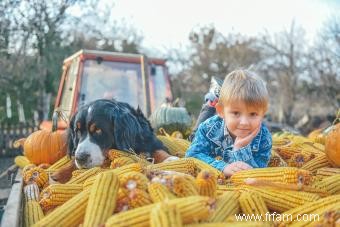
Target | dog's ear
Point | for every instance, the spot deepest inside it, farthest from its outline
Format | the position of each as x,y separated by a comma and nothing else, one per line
126,130
71,138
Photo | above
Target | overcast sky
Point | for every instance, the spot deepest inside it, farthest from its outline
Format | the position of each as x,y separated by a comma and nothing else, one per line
166,24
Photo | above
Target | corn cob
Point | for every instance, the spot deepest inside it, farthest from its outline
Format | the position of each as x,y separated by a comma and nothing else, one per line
28,167
283,200
280,142
132,180
31,192
71,213
200,165
229,223
276,160
252,203
274,174
206,182
183,186
134,167
182,165
159,192
21,161
330,184
78,172
176,147
114,154
122,203
327,172
316,163
37,175
32,212
192,209
299,159
287,152
87,174
330,217
60,163
102,200
121,161
310,208
165,215
57,194
138,198
226,204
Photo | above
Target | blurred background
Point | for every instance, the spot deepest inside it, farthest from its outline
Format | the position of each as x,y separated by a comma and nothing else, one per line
294,46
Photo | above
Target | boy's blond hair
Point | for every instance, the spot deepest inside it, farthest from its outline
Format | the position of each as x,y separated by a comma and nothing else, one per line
246,86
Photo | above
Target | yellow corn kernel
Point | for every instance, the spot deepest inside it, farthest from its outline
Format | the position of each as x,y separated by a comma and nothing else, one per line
77,172
122,203
102,200
87,174
283,200
57,194
165,215
327,172
183,186
200,165
121,161
192,209
311,208
132,180
60,163
226,204
70,214
138,198
32,212
21,161
206,182
290,175
276,160
36,175
159,192
182,165
330,184
176,147
317,163
252,203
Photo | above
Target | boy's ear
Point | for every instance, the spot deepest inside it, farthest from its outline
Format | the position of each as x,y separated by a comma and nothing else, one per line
219,110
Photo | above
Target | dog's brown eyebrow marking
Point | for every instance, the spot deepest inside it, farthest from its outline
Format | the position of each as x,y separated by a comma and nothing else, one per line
78,125
93,128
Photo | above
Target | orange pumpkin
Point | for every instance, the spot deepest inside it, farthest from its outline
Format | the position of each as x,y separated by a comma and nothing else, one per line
43,146
332,146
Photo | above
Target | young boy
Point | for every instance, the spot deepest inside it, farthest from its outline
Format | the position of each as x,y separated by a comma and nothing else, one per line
235,139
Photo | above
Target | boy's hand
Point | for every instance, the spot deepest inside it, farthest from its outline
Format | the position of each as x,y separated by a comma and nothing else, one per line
235,167
241,142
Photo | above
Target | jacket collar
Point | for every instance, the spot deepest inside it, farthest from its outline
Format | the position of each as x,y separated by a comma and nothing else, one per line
222,138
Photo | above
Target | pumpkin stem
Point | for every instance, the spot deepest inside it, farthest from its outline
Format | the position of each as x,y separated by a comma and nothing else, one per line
19,142
58,113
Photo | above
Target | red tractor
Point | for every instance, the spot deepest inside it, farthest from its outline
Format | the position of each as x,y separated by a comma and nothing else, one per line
89,75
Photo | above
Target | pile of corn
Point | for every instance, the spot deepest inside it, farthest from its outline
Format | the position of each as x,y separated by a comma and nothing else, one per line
188,192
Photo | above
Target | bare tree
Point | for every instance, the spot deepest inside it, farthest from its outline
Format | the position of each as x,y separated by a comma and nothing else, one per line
284,65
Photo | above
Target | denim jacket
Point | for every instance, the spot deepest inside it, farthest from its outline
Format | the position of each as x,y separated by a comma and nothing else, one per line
215,147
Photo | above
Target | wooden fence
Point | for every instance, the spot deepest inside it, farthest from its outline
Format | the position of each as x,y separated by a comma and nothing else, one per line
9,133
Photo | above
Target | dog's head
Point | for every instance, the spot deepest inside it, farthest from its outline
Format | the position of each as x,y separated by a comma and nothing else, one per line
101,125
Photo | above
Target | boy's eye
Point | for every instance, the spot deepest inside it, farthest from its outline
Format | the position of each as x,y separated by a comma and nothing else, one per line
253,114
235,113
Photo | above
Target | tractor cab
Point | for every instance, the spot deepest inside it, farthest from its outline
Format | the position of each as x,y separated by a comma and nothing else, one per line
89,75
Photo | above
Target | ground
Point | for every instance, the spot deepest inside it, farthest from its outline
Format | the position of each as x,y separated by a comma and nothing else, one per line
5,183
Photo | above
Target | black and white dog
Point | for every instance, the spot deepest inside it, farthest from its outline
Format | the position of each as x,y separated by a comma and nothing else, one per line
105,124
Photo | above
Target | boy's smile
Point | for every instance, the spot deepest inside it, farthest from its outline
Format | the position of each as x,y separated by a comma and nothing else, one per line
240,118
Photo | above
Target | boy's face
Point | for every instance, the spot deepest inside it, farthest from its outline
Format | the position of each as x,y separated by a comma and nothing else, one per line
240,119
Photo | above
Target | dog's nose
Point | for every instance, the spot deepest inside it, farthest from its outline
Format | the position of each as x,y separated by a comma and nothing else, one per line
82,158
